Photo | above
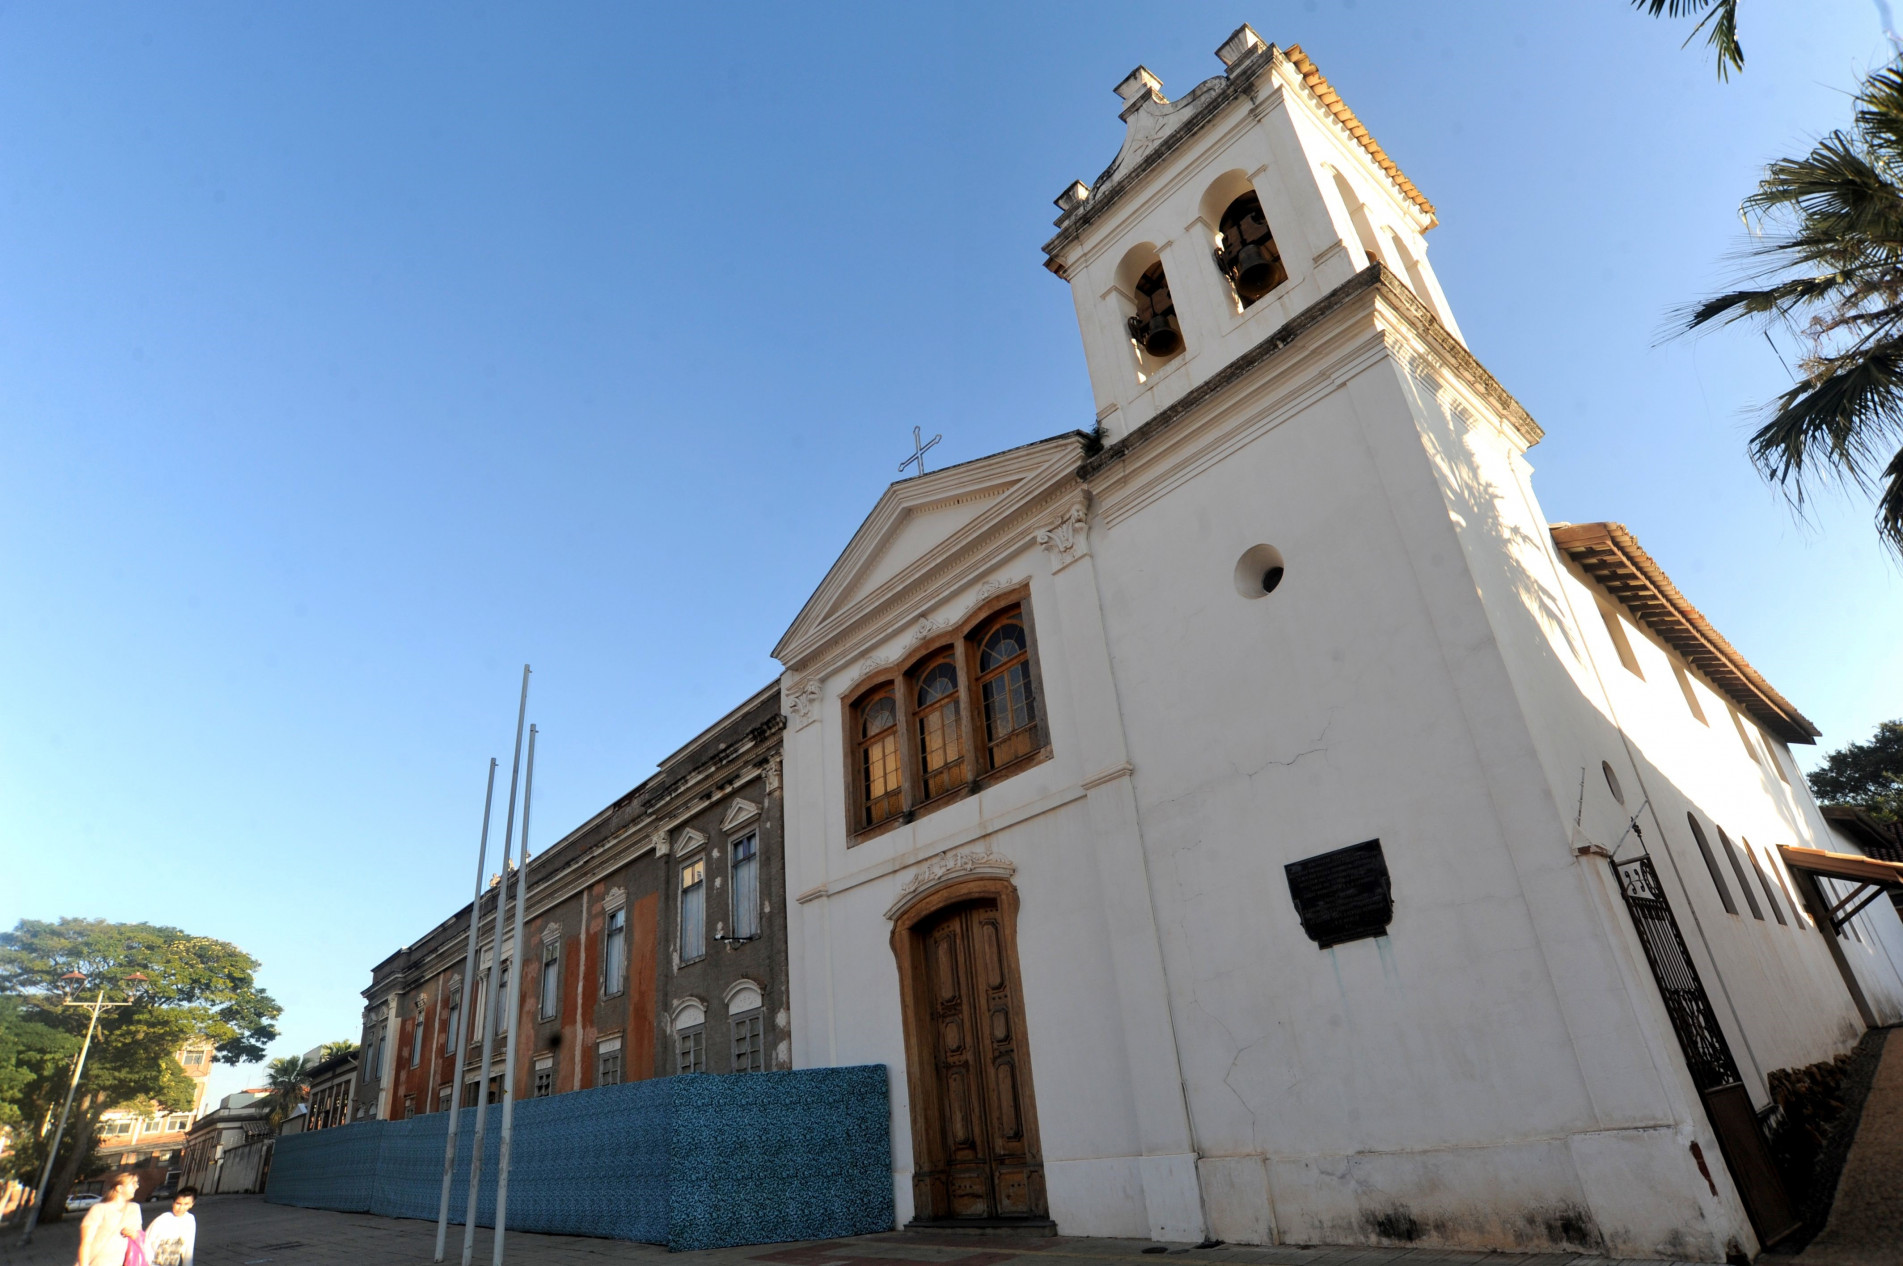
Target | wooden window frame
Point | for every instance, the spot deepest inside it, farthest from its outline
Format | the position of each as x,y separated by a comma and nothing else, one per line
961,648
873,693
913,680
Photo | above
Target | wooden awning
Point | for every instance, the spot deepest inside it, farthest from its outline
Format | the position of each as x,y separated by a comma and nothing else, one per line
1872,878
1850,866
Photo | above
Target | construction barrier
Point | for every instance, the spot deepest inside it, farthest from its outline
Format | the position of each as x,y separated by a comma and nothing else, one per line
690,1162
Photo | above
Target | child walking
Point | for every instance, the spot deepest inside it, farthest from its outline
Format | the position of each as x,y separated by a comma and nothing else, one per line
170,1238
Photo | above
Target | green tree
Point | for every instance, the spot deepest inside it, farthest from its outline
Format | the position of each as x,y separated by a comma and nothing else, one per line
1720,24
287,1078
197,989
330,1050
1867,776
1832,275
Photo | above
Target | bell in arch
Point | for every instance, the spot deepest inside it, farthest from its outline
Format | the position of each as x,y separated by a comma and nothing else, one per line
1154,326
1248,256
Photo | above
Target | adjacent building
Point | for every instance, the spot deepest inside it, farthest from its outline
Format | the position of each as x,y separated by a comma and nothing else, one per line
228,1150
1252,818
654,944
150,1144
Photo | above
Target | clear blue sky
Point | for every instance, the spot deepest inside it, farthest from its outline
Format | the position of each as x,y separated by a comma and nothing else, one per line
351,356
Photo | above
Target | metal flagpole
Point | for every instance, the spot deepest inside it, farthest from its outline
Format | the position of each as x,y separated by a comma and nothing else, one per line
489,1016
457,1039
515,990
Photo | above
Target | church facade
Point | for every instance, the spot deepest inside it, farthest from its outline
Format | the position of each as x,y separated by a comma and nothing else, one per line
1251,819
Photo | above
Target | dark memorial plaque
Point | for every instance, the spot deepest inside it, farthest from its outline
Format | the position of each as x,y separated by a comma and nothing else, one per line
1343,895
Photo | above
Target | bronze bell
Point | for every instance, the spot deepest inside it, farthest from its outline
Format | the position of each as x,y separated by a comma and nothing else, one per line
1159,336
1254,272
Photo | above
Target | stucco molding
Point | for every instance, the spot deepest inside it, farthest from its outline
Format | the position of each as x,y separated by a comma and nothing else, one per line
1067,539
948,868
802,701
739,813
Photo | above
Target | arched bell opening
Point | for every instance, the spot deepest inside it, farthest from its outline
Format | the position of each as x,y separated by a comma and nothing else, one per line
1154,327
1247,254
1358,216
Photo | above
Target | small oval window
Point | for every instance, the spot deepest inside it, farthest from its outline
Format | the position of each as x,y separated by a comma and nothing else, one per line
1612,781
1259,571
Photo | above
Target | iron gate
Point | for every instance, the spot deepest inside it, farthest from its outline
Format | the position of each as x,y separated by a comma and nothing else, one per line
1707,1054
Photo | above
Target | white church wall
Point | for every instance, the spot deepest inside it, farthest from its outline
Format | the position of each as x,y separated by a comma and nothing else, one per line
1039,821
1775,985
1325,714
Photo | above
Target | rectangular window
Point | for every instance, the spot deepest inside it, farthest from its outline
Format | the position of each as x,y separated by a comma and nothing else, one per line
693,910
690,1050
442,1099
744,861
478,1007
470,1091
450,1022
614,954
544,1078
502,1000
551,981
1620,642
608,1063
1691,696
416,1040
409,1106
495,1088
748,1055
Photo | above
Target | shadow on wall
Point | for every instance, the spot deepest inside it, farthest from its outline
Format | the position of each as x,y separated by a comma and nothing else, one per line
690,1162
1481,504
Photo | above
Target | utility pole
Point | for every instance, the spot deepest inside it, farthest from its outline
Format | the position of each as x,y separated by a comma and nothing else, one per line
69,982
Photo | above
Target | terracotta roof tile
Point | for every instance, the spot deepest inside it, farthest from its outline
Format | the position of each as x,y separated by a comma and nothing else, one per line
1331,100
1612,557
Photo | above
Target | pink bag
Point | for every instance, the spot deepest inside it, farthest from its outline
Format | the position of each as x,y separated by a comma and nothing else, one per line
135,1252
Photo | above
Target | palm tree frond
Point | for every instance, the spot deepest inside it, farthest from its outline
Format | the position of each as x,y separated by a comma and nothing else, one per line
1720,15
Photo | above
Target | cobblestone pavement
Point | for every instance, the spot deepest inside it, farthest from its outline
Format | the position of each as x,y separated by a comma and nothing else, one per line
245,1231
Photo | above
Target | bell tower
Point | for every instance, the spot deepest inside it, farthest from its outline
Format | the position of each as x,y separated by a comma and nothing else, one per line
1226,213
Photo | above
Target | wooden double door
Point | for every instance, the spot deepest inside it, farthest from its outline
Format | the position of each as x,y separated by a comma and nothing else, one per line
973,1119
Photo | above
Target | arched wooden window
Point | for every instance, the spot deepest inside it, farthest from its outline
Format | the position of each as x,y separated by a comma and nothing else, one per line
879,785
1004,689
941,734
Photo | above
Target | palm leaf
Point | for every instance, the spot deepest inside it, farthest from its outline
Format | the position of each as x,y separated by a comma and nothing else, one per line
1721,16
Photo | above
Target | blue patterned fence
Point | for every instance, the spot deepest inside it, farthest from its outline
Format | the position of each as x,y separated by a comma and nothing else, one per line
689,1162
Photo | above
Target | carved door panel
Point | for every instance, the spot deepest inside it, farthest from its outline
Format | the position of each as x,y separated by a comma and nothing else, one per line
990,1167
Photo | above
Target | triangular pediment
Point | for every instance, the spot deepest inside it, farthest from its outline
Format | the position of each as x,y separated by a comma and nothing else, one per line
739,813
921,523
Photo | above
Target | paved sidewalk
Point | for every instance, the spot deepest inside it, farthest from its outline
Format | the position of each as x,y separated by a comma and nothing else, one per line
245,1231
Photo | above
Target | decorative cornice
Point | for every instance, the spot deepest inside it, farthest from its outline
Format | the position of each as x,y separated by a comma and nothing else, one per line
1105,776
1377,283
948,868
